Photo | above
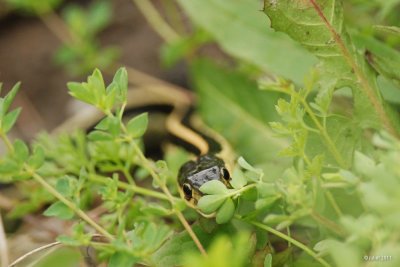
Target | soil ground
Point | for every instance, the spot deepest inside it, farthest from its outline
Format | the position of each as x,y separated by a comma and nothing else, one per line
27,50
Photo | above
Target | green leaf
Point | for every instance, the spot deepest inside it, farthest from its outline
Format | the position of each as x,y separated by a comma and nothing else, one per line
245,35
388,29
225,251
238,179
245,165
265,202
210,203
268,261
252,174
137,126
345,133
214,187
266,190
119,259
1,107
234,107
10,119
170,253
99,136
121,80
8,166
275,218
59,210
344,254
9,98
92,92
21,150
363,164
79,92
64,186
95,85
225,213
37,158
98,16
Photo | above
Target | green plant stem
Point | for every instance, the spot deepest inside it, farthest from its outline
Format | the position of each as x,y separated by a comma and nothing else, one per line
171,198
332,200
328,194
7,141
133,188
67,202
241,190
127,174
325,135
368,90
289,239
328,223
156,21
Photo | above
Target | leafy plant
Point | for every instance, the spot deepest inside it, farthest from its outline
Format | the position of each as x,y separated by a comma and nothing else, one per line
83,52
309,103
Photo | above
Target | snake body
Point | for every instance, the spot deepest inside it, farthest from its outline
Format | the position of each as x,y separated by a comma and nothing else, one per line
208,145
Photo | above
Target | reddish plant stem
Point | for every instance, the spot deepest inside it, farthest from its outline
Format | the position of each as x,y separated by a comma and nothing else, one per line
362,79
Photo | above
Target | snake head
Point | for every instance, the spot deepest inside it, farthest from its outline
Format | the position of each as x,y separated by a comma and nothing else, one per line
193,174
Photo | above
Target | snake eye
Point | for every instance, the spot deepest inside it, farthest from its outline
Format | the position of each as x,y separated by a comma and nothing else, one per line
187,189
225,174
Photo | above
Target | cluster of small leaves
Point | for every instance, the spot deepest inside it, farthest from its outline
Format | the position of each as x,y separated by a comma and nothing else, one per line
83,52
377,182
218,198
85,172
8,118
94,92
71,188
18,162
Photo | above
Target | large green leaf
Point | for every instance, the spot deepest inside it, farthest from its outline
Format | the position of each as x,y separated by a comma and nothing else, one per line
242,31
236,108
301,21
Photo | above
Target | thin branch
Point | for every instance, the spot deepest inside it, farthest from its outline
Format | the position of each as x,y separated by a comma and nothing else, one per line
331,145
3,245
156,21
57,26
133,188
328,223
36,250
289,239
368,90
68,203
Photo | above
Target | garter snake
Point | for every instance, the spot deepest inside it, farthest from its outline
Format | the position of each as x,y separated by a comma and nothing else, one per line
210,147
